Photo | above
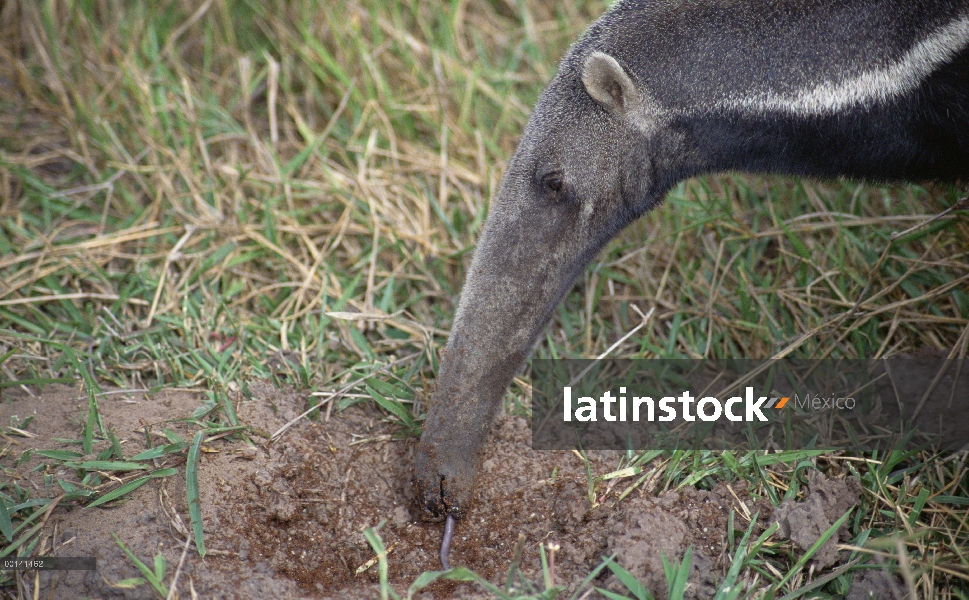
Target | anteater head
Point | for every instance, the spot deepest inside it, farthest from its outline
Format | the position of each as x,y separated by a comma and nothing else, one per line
584,169
593,157
584,160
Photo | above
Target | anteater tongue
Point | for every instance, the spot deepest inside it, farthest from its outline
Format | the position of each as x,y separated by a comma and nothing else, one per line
446,542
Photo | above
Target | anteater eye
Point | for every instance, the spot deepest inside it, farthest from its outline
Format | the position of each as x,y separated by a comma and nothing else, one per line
553,183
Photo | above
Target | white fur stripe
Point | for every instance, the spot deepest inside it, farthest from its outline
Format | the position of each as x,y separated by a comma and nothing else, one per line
868,88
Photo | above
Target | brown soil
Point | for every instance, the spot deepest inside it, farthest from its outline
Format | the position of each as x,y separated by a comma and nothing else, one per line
806,521
286,520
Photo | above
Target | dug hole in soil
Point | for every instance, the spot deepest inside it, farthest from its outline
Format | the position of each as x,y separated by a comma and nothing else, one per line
285,520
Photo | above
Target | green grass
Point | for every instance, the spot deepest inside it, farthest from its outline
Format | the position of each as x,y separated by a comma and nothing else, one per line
202,197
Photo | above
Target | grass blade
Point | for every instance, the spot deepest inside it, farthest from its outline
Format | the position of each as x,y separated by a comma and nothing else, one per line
6,525
120,491
153,580
192,490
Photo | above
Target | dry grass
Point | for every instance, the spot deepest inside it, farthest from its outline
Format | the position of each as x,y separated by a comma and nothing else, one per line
198,194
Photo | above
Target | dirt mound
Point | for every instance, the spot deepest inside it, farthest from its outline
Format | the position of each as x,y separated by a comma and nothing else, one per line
646,528
806,521
286,519
876,584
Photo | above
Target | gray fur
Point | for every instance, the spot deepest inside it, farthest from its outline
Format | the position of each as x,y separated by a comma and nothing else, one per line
660,90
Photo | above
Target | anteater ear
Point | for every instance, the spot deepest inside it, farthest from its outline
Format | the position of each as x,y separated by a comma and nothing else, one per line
608,83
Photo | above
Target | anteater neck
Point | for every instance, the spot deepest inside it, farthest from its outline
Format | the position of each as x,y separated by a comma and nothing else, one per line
874,89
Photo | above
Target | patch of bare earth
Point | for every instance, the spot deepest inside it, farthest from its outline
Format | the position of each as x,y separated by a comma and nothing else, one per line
286,519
